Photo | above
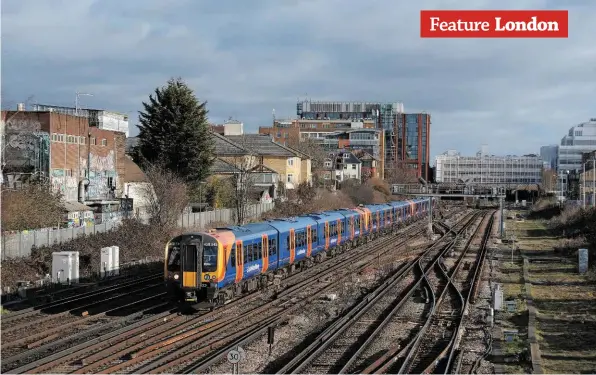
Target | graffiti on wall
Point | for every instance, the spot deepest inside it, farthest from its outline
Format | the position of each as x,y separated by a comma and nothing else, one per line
21,125
26,152
102,175
66,185
100,163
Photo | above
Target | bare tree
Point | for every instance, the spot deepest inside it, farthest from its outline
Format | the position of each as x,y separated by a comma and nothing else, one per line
398,173
34,206
166,196
243,179
549,179
311,148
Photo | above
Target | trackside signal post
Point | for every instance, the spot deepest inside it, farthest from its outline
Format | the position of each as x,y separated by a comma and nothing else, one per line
501,221
430,217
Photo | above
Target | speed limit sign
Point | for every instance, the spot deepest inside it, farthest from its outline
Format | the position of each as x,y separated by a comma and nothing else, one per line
234,356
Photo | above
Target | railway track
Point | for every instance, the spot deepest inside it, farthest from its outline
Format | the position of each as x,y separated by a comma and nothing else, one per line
458,362
341,346
167,337
32,334
52,309
433,350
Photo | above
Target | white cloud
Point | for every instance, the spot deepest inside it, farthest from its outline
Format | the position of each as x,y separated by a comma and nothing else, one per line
246,58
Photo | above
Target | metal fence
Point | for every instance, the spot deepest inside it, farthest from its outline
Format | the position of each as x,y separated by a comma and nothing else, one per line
19,244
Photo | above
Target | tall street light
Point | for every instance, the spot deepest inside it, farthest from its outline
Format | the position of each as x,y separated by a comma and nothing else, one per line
77,95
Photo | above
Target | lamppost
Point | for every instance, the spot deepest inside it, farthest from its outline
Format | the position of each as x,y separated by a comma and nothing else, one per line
77,95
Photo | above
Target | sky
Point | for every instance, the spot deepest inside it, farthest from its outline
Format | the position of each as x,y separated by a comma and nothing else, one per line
246,58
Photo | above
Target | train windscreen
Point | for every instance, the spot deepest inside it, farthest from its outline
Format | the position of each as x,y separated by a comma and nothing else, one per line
209,257
174,257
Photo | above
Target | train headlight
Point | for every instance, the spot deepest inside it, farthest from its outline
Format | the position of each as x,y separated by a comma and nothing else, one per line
176,277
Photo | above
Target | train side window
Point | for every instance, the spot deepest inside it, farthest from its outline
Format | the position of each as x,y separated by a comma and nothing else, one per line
288,242
233,256
251,249
260,250
274,246
247,253
313,234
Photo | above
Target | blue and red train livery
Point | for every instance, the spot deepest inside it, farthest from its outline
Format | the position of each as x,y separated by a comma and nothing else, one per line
217,265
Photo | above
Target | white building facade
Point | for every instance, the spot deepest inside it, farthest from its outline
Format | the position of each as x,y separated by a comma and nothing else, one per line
580,139
451,167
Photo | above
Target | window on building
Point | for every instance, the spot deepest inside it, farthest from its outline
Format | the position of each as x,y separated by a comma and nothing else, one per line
345,166
327,176
82,140
68,172
104,142
328,164
353,166
290,178
93,141
290,161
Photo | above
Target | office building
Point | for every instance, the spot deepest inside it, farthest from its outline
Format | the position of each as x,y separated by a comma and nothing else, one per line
580,139
549,155
451,167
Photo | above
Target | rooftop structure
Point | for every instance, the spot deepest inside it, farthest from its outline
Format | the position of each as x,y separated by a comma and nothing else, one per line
99,118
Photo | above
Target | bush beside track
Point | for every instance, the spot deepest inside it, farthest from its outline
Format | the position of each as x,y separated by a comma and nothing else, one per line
139,241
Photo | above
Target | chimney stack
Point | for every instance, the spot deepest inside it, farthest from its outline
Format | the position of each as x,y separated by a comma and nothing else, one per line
21,107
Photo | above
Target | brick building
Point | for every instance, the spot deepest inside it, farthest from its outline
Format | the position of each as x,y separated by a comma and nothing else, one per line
73,145
409,143
287,131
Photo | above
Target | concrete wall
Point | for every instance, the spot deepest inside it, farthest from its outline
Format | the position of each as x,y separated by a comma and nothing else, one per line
19,244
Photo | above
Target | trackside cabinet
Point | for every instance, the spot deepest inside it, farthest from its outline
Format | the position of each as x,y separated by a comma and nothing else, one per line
65,266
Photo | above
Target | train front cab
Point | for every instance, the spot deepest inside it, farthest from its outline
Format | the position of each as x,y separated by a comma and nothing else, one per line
190,266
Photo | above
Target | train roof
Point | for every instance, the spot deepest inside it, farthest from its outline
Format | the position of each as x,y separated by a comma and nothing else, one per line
298,222
398,203
325,216
251,229
347,212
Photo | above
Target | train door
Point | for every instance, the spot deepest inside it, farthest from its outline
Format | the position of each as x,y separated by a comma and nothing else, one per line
239,261
339,230
190,263
265,252
308,241
326,235
352,230
292,246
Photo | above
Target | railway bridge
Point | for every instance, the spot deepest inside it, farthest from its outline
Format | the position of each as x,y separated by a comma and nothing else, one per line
489,191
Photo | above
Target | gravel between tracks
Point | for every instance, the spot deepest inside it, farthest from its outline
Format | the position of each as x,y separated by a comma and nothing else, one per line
312,319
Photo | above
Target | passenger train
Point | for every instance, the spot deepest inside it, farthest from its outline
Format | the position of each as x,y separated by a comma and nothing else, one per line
222,263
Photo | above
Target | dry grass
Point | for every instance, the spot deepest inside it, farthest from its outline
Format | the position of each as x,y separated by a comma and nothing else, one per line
563,292
566,301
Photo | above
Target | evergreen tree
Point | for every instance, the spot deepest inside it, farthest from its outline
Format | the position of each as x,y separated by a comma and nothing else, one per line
175,133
